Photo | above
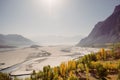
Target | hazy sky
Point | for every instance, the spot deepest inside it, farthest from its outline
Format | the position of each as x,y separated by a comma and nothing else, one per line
53,17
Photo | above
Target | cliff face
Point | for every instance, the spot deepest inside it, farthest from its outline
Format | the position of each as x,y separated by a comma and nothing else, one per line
107,31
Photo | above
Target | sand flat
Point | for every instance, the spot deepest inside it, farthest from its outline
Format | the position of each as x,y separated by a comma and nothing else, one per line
37,62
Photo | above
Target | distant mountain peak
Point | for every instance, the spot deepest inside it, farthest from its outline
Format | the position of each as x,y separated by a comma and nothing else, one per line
14,40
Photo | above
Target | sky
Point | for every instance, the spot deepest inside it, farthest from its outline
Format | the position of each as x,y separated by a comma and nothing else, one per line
33,18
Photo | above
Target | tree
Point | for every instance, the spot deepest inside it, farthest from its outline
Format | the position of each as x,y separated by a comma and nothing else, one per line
48,74
73,77
87,72
40,75
72,65
4,76
80,66
57,77
103,54
63,69
98,56
101,72
33,75
93,57
56,71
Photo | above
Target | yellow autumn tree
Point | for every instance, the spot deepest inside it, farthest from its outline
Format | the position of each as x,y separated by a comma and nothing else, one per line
71,65
103,54
55,69
63,69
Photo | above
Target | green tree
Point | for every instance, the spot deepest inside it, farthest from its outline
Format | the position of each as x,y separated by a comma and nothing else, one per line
81,67
48,74
93,57
40,75
33,75
4,76
101,72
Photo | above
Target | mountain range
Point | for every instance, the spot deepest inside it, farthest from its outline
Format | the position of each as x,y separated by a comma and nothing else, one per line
14,40
107,31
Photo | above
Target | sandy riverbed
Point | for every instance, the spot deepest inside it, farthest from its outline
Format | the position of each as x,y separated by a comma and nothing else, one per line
34,59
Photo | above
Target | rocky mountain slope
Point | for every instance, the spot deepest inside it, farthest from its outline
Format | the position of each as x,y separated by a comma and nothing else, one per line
107,31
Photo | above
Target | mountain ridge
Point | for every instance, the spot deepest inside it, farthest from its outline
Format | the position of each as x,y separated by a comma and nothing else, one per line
14,40
107,31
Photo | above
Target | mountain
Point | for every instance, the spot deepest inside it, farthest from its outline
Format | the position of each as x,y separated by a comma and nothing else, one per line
14,40
107,31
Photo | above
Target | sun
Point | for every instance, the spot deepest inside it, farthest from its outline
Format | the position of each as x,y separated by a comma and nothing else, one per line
51,2
50,6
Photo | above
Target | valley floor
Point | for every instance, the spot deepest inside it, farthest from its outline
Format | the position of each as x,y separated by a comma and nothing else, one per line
22,61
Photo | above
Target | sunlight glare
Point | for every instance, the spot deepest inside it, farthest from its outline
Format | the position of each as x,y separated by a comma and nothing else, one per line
51,6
